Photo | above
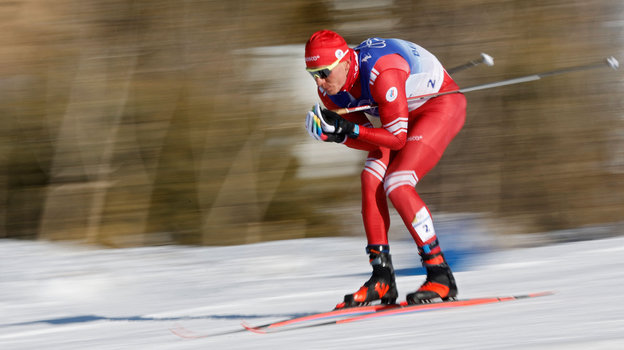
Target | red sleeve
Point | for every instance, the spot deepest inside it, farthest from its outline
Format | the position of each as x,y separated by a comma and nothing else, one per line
388,90
358,144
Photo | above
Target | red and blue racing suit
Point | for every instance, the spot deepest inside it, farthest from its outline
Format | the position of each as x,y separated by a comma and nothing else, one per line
411,136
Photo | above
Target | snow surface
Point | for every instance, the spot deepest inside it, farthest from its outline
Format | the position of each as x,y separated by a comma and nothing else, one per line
63,296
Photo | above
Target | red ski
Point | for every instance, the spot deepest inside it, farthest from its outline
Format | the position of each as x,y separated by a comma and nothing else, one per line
440,305
355,314
343,312
316,316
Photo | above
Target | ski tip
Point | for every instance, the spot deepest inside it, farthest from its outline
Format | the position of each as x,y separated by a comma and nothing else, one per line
252,329
183,333
534,295
541,294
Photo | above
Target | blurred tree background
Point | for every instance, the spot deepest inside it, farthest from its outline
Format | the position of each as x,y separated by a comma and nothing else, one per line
132,123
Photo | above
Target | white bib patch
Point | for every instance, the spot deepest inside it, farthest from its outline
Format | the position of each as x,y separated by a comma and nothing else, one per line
392,94
423,225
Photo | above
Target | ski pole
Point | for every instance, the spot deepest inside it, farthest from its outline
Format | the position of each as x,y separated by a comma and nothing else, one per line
484,58
612,62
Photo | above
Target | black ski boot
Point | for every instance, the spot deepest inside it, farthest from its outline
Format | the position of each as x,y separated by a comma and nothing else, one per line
440,283
381,285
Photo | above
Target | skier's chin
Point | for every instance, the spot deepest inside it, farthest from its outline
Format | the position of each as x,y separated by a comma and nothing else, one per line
333,90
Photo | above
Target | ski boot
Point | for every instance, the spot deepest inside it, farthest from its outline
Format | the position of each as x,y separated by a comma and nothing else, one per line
440,283
381,286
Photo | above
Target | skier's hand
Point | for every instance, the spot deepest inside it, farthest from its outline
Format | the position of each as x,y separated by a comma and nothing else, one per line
319,129
323,124
338,124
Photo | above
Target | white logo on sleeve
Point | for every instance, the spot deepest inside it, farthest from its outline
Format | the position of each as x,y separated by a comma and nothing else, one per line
392,94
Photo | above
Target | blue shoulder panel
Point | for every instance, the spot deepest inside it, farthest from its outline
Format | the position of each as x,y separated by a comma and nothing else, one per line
372,49
369,51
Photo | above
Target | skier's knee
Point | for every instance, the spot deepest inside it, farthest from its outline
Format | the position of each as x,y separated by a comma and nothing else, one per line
397,179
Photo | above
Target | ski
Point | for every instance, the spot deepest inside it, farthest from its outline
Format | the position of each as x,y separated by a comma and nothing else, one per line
386,310
353,314
343,312
310,317
442,305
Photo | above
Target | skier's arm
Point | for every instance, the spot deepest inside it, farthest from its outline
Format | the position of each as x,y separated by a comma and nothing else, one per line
389,92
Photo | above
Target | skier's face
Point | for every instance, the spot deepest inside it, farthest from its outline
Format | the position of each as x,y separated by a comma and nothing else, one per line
336,79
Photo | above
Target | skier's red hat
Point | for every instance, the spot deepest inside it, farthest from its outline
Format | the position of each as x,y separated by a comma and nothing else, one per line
324,48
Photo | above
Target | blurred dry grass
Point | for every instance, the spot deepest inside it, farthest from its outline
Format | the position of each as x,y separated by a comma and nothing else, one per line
135,122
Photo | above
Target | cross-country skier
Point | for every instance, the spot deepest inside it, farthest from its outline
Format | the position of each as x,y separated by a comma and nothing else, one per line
412,137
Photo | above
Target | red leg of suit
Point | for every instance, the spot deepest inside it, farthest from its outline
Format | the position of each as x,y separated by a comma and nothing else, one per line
431,129
374,203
